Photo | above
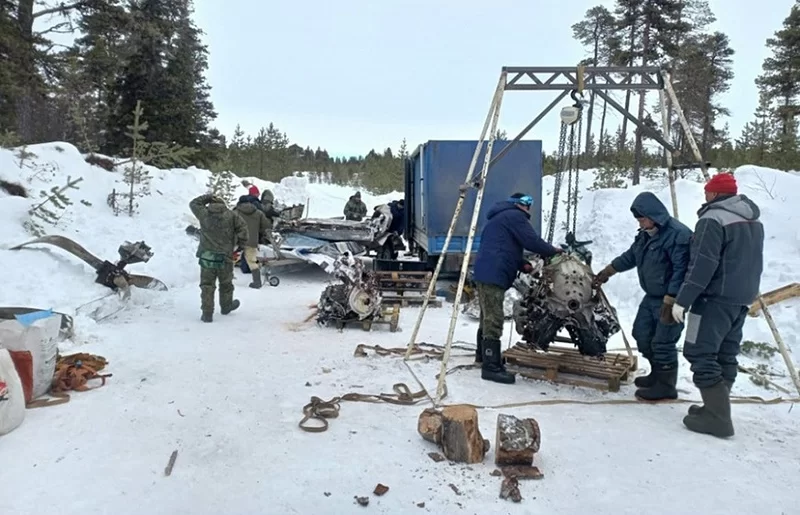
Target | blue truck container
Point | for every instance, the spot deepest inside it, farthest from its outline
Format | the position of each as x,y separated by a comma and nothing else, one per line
433,174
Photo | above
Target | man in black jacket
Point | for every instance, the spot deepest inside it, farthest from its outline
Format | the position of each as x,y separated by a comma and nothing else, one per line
724,277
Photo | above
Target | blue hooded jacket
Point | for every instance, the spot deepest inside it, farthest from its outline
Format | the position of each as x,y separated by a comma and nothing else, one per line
507,233
661,260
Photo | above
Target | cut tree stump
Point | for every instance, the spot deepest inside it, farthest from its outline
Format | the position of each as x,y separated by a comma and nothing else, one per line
462,441
429,425
455,430
517,440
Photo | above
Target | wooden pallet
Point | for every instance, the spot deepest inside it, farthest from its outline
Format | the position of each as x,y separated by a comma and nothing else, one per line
775,296
389,316
409,300
567,366
405,288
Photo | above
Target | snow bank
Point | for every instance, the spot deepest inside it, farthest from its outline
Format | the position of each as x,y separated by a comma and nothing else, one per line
161,220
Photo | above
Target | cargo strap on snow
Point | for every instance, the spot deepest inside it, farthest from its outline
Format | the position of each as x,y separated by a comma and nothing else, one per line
321,410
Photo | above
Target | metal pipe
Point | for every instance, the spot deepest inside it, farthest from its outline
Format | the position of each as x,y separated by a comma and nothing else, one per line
494,107
440,388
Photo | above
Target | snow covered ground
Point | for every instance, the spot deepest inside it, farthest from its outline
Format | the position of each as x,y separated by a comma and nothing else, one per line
228,396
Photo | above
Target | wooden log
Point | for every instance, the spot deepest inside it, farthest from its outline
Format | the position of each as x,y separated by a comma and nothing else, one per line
429,425
462,441
517,440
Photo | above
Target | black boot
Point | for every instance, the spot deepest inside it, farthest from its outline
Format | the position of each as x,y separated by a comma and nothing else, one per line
207,317
233,307
715,418
493,369
479,346
665,377
648,380
694,409
256,279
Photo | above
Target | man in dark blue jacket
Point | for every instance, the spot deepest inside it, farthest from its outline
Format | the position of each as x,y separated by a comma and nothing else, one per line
724,278
507,233
660,253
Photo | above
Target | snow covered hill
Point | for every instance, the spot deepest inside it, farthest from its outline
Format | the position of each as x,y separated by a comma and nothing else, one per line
228,396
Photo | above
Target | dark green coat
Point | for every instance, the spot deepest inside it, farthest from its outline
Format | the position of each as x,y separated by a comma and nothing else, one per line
221,230
257,223
355,209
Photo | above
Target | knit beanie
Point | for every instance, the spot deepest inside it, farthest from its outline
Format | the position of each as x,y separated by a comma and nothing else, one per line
723,183
253,190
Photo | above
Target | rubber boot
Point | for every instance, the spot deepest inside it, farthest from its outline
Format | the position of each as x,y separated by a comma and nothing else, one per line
479,346
663,388
715,419
233,307
694,409
256,279
207,317
492,367
648,380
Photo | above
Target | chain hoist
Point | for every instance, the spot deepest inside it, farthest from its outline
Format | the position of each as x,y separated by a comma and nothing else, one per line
567,161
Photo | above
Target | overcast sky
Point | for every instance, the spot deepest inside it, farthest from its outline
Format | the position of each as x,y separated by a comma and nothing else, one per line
352,75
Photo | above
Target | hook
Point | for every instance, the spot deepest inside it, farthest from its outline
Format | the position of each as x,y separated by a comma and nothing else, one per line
578,101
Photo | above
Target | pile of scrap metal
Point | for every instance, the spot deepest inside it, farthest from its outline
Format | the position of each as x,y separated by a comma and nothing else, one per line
319,241
559,295
357,297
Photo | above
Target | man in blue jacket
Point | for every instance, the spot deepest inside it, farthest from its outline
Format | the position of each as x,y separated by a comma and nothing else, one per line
507,233
660,254
724,278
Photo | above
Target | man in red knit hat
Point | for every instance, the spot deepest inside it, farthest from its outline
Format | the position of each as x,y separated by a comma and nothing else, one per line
723,279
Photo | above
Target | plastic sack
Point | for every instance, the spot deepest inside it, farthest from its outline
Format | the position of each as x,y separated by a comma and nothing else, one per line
12,398
39,337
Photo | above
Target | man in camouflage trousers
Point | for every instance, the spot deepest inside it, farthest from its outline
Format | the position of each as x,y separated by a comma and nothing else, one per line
221,231
507,233
355,209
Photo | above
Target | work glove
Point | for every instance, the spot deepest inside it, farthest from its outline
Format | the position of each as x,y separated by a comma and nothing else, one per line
665,316
526,267
678,312
603,276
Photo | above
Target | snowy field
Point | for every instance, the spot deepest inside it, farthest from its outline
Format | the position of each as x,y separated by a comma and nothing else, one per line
228,396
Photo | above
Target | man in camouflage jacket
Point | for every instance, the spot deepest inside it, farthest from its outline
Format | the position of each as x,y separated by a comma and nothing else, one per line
221,231
355,209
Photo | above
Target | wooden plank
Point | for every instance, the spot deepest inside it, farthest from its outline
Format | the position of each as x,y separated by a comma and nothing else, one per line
390,316
568,366
410,301
775,296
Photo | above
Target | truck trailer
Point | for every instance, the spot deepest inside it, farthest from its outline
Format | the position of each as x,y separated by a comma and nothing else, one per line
434,173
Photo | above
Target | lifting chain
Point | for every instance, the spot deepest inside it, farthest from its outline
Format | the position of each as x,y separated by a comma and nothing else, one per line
557,186
567,161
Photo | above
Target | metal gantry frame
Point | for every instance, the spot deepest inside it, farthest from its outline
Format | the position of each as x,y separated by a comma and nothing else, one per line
565,80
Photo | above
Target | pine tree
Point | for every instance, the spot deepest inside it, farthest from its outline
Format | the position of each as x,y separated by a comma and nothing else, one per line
781,78
136,176
51,208
757,136
595,32
221,184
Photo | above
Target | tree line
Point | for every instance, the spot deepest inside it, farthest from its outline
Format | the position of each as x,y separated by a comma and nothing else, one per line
675,34
149,53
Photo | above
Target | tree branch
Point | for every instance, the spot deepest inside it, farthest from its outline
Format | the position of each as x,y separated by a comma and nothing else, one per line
61,9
